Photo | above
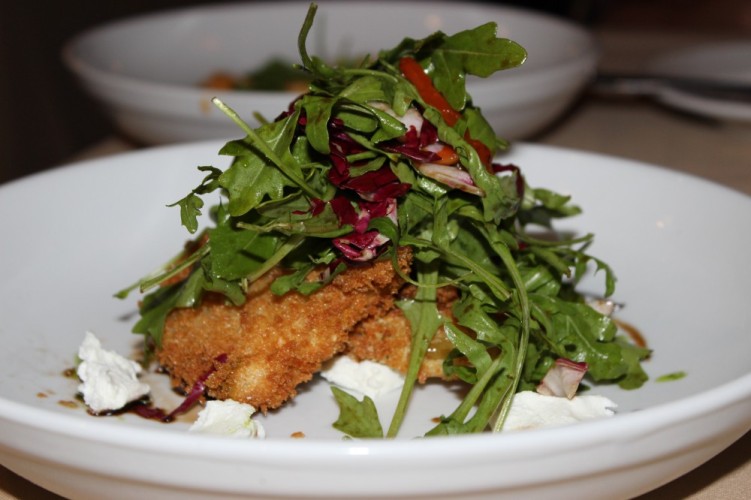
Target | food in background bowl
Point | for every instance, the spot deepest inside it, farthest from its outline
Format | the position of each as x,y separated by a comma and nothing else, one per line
277,74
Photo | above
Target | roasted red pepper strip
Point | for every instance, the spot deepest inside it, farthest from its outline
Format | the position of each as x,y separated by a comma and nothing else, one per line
447,156
482,151
413,72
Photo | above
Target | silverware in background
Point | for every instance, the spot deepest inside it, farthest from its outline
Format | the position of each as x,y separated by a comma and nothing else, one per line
654,85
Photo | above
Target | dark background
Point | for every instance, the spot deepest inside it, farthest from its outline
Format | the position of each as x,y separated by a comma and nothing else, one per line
45,117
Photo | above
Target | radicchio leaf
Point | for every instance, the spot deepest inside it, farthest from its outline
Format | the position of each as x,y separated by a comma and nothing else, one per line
452,176
563,378
361,247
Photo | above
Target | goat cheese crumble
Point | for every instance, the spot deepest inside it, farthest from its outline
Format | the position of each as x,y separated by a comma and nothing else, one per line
365,377
531,410
109,381
228,418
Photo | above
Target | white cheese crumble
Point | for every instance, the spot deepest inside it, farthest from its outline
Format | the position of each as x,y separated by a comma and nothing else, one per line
109,380
228,418
530,410
365,377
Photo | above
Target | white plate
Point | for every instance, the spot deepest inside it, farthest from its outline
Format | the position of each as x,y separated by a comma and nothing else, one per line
723,62
73,236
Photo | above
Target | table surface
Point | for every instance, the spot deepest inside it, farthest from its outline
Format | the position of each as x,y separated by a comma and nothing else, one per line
631,128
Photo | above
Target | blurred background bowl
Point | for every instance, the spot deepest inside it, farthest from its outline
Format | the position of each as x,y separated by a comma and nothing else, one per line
146,71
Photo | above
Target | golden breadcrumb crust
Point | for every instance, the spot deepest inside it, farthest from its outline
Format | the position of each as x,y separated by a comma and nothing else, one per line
274,343
387,338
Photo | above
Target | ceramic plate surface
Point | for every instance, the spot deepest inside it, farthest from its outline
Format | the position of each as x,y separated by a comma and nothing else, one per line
75,235
726,62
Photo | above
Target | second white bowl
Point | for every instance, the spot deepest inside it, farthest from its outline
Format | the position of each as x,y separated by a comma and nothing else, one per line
146,70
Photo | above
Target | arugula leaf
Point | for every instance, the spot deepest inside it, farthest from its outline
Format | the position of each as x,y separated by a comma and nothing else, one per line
156,306
236,253
318,110
191,205
477,52
357,418
252,177
632,355
581,334
424,319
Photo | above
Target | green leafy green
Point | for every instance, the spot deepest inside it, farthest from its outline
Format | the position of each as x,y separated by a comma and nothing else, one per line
357,418
670,377
476,52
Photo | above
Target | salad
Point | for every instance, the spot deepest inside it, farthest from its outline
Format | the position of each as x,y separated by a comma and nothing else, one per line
387,158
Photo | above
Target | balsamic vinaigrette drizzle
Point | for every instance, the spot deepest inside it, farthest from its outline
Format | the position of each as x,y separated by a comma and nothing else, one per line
145,408
636,337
